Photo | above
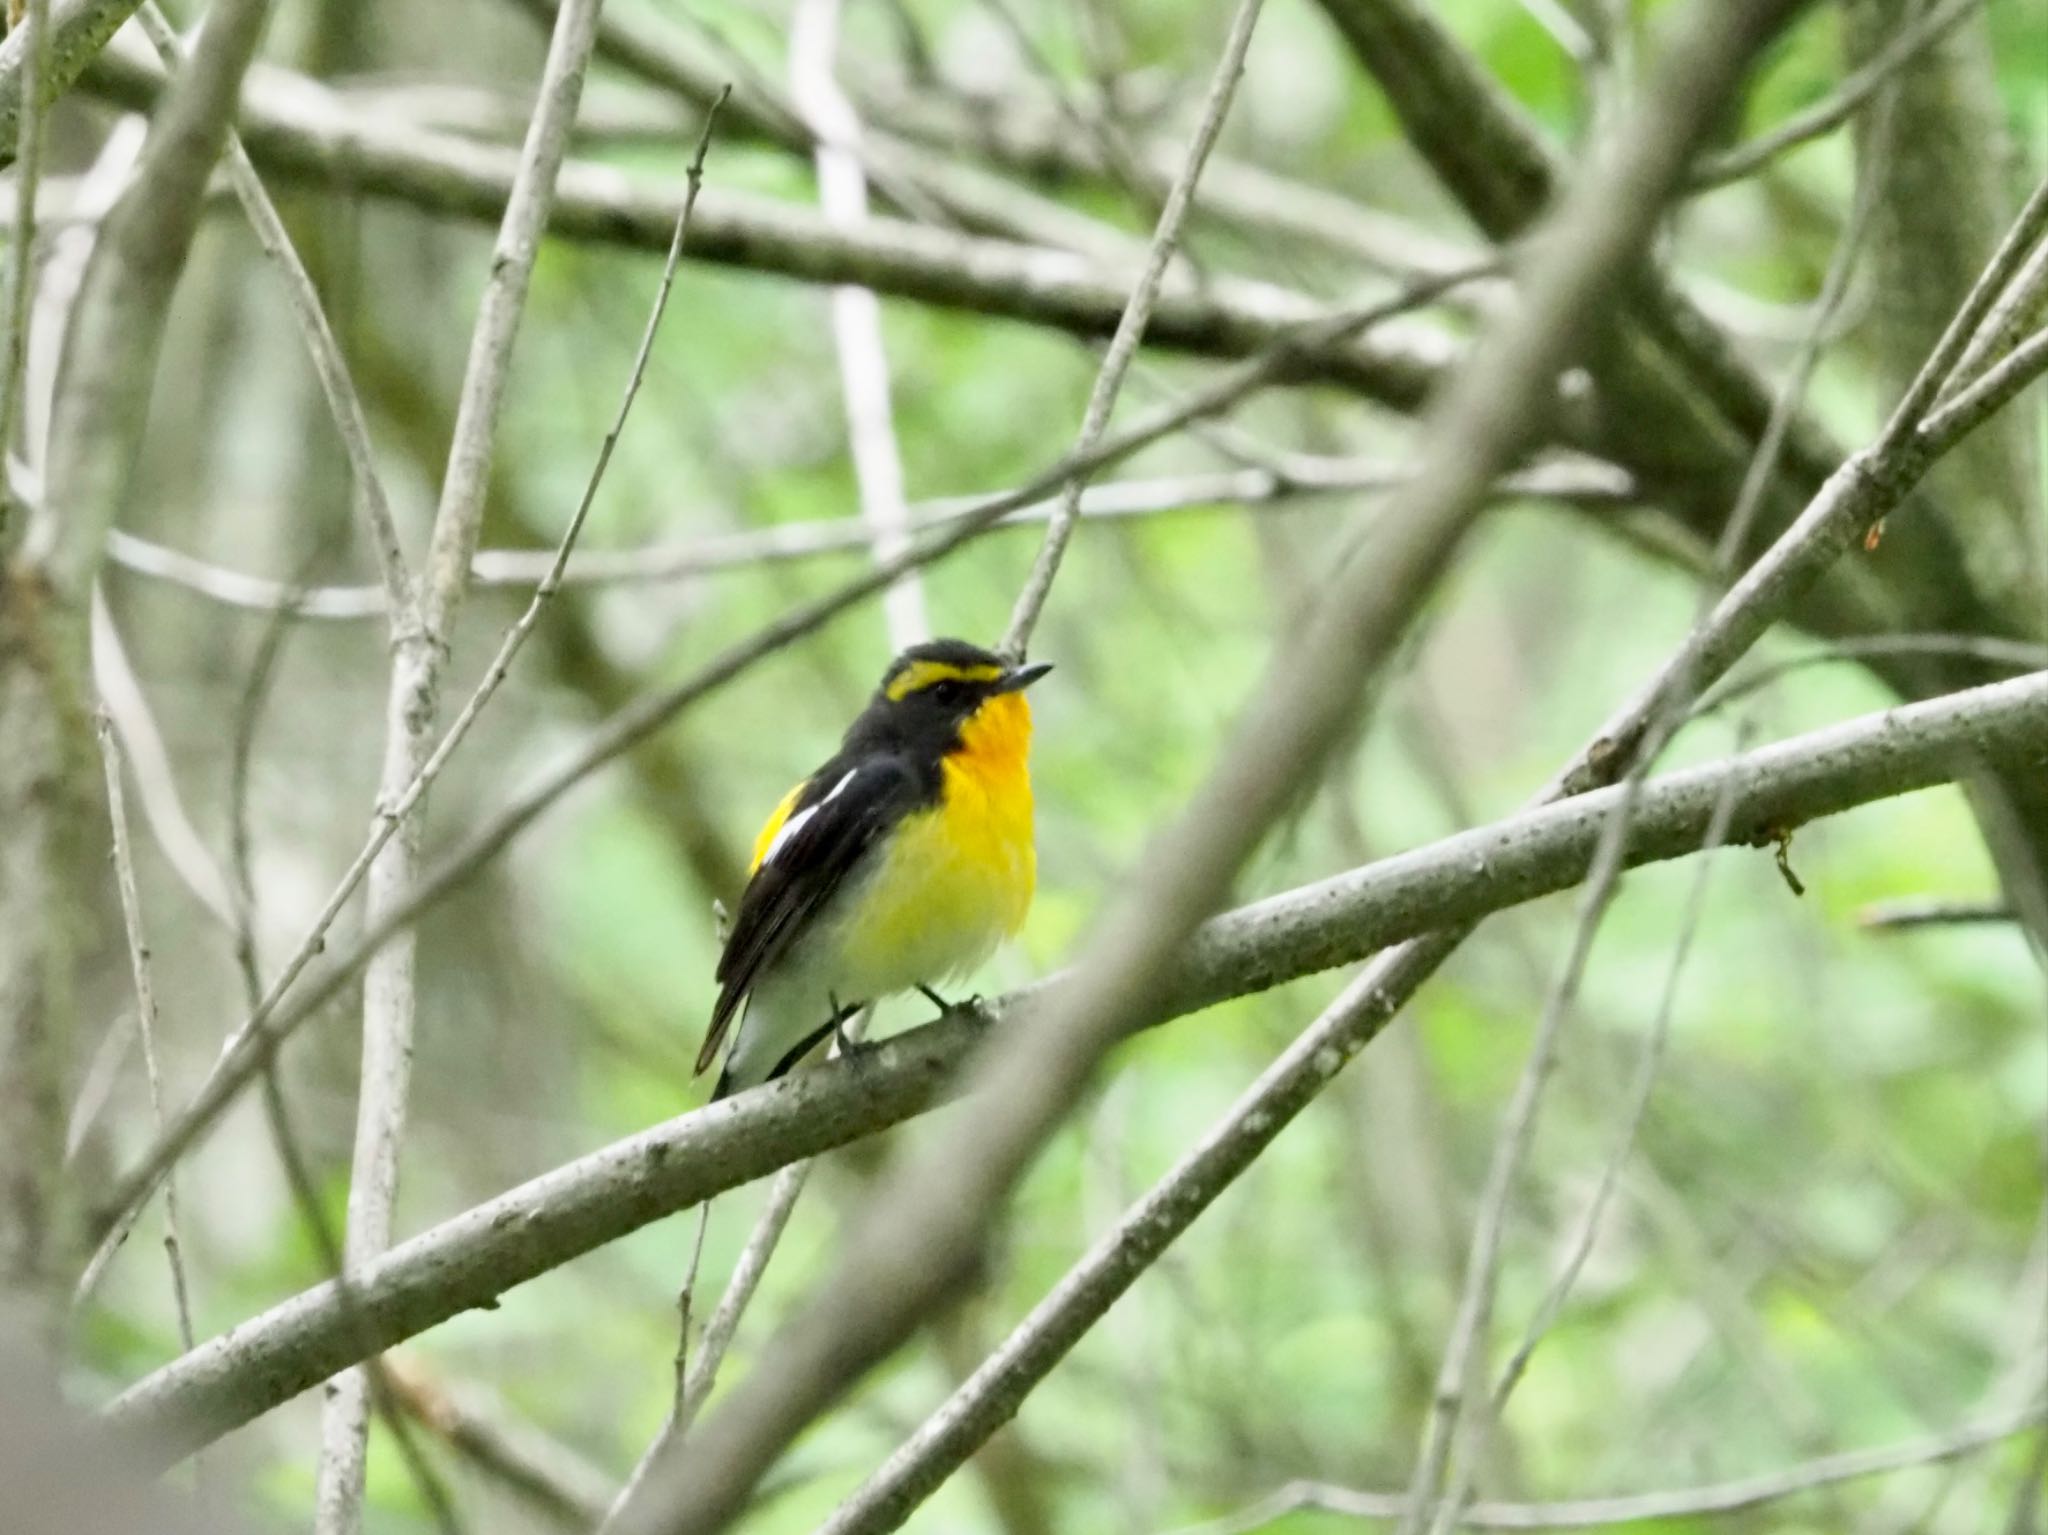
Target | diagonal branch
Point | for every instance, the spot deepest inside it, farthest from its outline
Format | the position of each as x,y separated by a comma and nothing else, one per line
124,301
325,352
907,1251
79,29
1130,328
261,1034
468,1261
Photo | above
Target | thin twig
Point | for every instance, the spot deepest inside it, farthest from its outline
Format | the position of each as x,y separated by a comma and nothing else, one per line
1839,105
255,693
1574,483
740,1288
1988,394
328,364
163,807
1917,412
547,1474
1130,326
1922,911
127,707
1647,1069
145,1008
697,1374
2024,303
2008,655
1634,1508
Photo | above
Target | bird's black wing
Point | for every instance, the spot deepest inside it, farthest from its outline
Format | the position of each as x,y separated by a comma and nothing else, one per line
841,814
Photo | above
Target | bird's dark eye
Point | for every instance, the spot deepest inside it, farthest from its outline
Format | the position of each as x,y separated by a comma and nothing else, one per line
949,695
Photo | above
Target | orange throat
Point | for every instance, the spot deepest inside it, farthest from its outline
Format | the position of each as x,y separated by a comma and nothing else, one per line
995,747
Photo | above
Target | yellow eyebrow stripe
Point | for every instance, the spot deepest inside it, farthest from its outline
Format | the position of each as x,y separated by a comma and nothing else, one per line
922,674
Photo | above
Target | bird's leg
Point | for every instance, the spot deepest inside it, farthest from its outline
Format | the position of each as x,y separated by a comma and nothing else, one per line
935,999
847,1045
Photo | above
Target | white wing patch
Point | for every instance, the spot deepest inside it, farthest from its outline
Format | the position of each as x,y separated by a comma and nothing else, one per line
795,823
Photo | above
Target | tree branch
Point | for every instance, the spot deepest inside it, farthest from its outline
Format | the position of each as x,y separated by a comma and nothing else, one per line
1575,483
1130,327
329,367
1731,1497
467,1262
422,632
297,131
907,1250
857,317
79,29
109,365
1839,105
274,1021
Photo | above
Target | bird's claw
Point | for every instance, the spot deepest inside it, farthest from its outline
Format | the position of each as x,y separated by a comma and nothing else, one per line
974,1007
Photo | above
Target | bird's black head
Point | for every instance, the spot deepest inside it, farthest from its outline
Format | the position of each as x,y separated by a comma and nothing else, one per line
932,690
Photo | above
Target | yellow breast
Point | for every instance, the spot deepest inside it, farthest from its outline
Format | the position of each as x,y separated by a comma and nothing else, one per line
957,878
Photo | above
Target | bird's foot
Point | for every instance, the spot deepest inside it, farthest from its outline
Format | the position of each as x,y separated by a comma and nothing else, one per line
974,1006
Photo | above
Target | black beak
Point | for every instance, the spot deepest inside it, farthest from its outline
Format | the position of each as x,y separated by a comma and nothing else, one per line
1018,678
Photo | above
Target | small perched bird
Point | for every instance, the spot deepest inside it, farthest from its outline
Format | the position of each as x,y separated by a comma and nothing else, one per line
900,863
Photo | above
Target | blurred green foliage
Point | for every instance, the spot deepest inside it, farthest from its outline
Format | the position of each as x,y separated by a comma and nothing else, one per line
1830,1232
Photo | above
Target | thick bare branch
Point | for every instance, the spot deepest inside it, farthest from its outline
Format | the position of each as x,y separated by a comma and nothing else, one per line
469,1261
124,303
906,1252
259,1037
297,131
